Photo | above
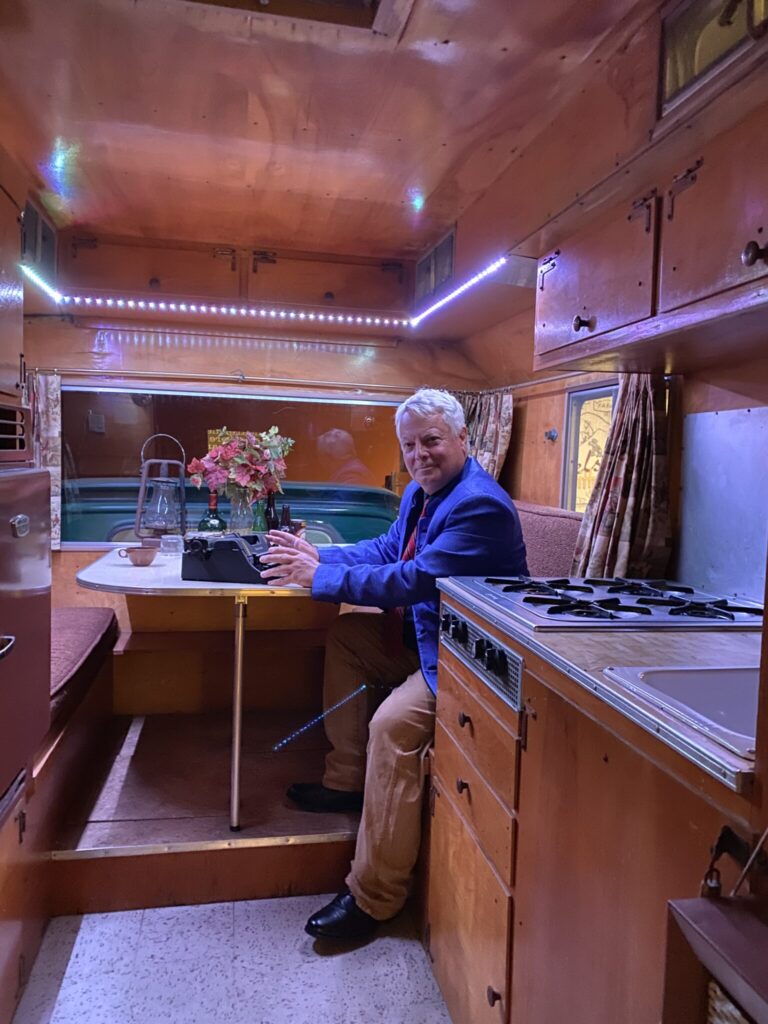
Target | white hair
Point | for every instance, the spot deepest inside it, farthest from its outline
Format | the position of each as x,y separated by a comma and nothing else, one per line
431,402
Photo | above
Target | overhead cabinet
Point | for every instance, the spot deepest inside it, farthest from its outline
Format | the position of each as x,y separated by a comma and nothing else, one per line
11,306
600,279
714,232
673,283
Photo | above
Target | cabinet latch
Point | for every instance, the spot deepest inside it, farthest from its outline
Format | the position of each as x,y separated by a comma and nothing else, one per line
21,821
680,184
262,256
547,264
644,207
226,252
529,712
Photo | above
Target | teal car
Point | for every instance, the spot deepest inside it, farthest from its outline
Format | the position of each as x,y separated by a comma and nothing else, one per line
103,509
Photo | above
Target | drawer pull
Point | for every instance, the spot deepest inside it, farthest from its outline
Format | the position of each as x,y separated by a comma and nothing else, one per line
464,720
492,995
461,785
752,253
6,645
583,321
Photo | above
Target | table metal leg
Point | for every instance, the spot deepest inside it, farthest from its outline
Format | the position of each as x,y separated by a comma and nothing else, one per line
241,610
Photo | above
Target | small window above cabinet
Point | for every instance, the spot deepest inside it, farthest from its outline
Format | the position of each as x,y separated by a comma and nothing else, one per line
702,40
714,233
599,279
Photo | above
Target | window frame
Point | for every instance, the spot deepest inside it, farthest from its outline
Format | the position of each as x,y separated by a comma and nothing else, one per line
575,400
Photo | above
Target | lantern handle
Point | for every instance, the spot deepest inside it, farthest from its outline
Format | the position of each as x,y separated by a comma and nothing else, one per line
170,438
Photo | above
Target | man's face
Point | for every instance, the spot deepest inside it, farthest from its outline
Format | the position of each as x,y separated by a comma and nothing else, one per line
433,454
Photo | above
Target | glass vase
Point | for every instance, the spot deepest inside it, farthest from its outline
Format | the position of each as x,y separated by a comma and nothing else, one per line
240,512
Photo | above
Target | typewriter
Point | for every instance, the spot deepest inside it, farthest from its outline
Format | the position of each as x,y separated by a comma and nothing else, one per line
227,558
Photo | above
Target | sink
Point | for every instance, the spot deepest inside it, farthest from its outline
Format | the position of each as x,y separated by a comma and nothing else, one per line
719,702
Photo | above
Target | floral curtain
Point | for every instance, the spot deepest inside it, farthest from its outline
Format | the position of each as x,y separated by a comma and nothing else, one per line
489,425
625,530
45,399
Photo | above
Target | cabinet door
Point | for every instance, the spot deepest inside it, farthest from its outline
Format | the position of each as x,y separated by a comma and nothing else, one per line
469,914
598,280
11,304
142,269
714,231
605,839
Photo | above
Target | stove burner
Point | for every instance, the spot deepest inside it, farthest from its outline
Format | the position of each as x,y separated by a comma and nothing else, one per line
726,605
614,604
530,588
634,590
581,609
662,602
703,610
668,587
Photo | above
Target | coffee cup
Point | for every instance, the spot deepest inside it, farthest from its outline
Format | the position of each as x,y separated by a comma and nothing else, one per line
138,556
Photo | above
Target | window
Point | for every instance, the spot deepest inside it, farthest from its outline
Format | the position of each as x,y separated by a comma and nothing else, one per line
588,420
340,471
702,37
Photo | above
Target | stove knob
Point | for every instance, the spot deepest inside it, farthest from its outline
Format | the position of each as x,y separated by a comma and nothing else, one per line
445,622
462,633
455,628
479,648
490,658
500,668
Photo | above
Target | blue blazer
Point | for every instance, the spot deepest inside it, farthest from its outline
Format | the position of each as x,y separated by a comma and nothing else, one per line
473,530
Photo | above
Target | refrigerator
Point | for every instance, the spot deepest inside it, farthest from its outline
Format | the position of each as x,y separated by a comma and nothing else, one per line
25,619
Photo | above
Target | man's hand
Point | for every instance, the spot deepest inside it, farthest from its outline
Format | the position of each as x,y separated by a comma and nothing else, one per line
289,560
284,539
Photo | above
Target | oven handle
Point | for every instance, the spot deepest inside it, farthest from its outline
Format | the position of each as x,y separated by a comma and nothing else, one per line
6,645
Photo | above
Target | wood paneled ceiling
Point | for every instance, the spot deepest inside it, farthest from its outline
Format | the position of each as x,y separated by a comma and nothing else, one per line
177,119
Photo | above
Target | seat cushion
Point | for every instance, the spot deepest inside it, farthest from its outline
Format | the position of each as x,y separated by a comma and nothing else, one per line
550,538
81,638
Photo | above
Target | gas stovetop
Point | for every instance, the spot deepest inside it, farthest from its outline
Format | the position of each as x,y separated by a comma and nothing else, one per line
591,603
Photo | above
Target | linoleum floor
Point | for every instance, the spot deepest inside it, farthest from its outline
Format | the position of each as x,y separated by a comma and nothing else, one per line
226,963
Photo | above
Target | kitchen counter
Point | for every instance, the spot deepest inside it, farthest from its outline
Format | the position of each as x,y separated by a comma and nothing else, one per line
582,655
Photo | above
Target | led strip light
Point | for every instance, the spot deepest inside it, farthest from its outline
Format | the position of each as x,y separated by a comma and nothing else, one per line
264,312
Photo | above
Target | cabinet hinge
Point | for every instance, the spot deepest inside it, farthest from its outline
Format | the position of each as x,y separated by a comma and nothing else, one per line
644,207
680,183
547,264
262,256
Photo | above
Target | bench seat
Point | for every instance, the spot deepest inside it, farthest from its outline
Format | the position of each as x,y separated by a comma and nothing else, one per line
81,639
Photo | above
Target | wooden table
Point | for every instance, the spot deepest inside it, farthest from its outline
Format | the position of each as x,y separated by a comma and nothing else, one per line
117,575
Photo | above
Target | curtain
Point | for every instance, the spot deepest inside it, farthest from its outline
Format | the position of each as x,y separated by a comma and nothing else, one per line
489,425
45,395
625,530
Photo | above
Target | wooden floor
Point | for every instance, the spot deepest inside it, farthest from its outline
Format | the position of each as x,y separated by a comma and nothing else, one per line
154,829
170,783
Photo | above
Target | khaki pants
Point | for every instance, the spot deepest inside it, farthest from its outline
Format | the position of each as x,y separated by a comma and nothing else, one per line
399,734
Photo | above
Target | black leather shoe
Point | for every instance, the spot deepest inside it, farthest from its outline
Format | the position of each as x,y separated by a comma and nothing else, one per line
314,796
342,919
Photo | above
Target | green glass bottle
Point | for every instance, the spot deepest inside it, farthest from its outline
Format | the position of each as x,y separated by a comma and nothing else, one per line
259,519
273,520
212,521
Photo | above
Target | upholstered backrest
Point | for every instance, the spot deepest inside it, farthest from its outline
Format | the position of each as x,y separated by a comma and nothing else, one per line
550,538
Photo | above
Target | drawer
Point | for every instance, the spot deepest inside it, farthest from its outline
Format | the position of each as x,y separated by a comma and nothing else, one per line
480,735
489,819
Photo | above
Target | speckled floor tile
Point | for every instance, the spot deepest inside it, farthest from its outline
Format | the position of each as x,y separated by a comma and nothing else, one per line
228,963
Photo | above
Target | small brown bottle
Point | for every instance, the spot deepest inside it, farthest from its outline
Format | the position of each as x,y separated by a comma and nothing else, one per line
285,518
270,514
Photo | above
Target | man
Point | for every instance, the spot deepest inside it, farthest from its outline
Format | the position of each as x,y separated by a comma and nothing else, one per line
337,449
454,520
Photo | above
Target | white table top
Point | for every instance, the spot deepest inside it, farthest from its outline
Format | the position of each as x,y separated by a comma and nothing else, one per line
118,576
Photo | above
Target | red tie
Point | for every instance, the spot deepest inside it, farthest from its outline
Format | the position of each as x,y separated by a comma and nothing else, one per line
393,626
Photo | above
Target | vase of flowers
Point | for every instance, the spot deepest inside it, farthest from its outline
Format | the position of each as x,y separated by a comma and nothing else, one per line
246,466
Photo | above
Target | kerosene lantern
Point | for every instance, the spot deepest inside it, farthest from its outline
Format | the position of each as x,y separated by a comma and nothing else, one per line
161,508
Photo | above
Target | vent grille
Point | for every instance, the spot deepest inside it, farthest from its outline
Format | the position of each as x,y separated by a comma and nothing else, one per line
434,269
14,436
